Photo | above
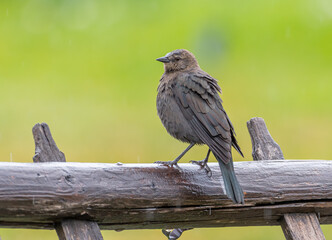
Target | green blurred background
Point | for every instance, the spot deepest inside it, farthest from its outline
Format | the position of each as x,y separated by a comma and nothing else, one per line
88,69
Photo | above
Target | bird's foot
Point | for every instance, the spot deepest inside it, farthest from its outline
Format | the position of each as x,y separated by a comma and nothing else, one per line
173,163
203,165
173,234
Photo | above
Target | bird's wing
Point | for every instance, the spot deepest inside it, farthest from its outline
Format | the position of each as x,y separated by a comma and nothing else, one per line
198,98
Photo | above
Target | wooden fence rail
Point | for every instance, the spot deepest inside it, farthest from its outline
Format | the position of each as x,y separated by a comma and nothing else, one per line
146,196
78,198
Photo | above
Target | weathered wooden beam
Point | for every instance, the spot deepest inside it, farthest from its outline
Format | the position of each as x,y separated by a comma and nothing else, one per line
149,196
46,150
298,226
78,230
263,145
295,226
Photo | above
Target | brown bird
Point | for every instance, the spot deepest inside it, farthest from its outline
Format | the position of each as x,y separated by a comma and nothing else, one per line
191,110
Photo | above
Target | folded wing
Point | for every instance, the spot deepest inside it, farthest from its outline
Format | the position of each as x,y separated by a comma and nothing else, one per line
198,98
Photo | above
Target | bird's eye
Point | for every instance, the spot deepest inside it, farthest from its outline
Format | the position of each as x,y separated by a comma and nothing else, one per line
177,59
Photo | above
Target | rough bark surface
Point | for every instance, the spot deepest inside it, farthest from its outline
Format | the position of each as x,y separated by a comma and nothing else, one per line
147,196
47,151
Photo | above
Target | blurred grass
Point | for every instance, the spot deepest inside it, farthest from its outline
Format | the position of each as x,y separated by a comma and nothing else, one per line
234,233
87,68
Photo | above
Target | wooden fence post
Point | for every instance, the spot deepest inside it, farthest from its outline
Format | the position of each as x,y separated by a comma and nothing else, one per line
299,226
296,226
47,151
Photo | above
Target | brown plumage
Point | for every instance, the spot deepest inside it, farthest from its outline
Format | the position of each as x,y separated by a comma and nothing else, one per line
191,110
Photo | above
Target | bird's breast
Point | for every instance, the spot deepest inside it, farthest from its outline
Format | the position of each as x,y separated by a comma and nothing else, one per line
172,118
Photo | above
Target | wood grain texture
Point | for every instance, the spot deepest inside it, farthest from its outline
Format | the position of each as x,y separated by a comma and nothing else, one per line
263,145
148,196
295,226
302,227
47,151
72,229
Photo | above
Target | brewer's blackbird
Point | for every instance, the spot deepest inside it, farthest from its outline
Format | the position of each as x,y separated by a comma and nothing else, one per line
190,108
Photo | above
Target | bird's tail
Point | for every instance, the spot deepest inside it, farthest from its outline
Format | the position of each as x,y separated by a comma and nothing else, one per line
232,186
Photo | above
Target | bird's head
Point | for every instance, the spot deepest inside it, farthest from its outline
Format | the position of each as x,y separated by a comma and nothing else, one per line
178,60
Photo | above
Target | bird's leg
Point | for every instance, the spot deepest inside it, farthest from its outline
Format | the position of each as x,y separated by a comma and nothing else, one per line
175,161
203,164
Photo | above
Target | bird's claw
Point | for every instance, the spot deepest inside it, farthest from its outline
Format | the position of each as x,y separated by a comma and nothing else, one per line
168,163
203,165
173,234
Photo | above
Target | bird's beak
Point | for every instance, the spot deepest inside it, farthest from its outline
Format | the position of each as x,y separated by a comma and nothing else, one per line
163,59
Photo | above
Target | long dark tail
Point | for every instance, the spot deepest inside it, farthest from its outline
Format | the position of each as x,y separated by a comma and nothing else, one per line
232,186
